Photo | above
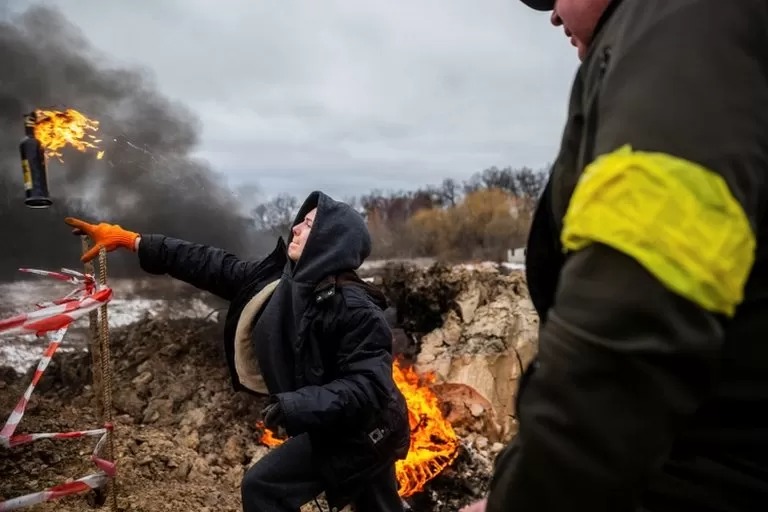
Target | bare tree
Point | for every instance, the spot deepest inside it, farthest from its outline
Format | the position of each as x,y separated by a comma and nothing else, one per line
449,192
492,178
276,215
530,183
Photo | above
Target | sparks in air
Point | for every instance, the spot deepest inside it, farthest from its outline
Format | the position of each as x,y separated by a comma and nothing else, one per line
56,129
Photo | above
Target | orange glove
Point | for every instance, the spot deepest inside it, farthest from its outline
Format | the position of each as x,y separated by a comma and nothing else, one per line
108,236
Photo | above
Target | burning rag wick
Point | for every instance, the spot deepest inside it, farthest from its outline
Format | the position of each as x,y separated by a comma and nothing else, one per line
56,129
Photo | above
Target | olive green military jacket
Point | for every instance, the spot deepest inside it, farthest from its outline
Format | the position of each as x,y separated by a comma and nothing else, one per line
648,264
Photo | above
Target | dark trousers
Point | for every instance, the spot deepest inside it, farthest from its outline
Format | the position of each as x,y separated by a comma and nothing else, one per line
284,480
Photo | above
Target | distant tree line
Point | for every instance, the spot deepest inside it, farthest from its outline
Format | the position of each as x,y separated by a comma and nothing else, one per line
478,219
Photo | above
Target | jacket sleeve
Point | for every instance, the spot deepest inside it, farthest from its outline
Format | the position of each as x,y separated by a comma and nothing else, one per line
660,239
364,383
208,268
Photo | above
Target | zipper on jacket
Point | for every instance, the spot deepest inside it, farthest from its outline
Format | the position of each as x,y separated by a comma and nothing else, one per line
589,149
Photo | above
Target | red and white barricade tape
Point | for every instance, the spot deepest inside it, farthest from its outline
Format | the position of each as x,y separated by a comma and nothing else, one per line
58,314
94,481
53,318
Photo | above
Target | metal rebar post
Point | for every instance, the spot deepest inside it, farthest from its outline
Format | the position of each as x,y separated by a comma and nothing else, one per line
106,371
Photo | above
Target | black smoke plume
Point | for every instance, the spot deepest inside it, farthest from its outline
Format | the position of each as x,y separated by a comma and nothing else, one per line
148,180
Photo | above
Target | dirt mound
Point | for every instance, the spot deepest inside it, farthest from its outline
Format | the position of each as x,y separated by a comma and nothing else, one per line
184,438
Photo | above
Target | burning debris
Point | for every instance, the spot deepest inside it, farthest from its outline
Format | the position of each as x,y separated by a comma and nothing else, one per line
433,441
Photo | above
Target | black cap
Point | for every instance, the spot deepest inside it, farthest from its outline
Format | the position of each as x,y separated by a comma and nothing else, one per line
540,5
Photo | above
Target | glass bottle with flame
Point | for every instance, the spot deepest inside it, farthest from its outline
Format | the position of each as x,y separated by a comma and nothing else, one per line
33,165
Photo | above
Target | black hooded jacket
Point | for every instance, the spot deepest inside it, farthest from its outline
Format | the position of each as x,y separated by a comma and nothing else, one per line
323,344
338,242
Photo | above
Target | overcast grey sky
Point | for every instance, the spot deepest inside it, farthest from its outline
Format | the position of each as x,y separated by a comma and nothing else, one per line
348,95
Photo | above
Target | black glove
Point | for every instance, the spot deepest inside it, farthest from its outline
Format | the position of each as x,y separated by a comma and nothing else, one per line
273,416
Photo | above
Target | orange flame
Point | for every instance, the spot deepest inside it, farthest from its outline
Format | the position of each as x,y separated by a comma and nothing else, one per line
56,129
434,444
268,438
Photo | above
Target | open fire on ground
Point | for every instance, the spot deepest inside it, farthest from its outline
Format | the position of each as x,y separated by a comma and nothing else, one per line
434,443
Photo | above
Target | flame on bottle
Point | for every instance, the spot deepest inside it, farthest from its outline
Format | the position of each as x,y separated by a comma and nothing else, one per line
434,443
56,129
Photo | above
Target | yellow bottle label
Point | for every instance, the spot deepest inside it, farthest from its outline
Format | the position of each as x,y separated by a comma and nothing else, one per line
27,175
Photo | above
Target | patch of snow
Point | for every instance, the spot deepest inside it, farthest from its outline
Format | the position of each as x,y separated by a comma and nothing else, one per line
486,265
23,351
128,306
371,265
127,311
425,262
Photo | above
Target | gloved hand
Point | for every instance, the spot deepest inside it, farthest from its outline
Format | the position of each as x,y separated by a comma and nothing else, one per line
273,416
108,236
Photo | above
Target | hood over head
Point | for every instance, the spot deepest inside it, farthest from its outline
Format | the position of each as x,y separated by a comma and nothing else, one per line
339,240
338,243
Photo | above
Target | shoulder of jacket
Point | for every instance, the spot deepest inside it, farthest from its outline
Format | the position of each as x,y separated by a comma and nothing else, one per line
354,297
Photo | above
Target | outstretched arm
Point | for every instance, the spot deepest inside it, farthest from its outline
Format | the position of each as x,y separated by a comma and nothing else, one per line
208,268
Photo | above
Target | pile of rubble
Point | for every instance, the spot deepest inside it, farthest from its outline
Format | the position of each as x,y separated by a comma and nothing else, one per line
184,439
476,329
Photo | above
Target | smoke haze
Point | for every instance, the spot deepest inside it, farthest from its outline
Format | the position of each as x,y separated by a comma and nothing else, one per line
148,180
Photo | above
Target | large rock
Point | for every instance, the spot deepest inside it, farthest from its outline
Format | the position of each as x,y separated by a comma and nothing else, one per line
488,335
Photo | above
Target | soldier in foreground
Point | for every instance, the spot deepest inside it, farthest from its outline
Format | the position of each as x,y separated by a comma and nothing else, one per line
303,329
648,264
